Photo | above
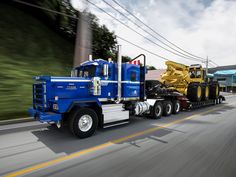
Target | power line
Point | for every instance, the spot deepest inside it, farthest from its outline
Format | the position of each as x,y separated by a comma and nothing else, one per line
77,18
140,33
159,56
213,62
139,26
46,9
121,6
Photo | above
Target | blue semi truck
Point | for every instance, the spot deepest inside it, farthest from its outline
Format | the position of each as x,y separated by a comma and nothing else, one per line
102,93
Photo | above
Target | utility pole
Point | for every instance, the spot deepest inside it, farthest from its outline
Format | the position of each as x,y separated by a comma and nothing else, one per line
207,65
83,41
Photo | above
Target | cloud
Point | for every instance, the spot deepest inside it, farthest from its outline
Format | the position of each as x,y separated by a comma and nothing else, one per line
202,27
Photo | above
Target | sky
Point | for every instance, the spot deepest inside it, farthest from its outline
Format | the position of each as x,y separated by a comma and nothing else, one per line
201,27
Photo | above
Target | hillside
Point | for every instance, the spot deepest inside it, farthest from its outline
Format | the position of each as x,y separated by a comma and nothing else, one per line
27,48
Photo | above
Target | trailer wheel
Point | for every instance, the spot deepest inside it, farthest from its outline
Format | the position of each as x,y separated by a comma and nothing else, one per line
167,108
83,122
176,107
220,100
157,110
216,101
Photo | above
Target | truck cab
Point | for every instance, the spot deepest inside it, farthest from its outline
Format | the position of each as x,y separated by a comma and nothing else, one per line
197,73
93,96
104,79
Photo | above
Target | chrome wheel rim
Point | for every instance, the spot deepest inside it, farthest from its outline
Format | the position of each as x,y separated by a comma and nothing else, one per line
85,123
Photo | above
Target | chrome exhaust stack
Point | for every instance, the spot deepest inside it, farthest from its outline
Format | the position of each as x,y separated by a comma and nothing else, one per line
119,63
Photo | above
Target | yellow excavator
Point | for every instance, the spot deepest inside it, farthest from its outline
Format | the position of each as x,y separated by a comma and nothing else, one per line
191,81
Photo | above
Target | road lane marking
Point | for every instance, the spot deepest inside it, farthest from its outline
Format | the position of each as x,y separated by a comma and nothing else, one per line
110,143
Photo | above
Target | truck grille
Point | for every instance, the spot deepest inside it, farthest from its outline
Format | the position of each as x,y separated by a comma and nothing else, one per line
39,96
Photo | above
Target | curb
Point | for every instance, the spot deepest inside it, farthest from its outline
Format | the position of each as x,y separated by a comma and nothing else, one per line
18,120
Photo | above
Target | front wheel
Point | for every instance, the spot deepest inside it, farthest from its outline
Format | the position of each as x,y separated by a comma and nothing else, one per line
194,92
83,122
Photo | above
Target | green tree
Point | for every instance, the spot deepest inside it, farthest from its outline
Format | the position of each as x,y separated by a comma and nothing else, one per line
103,40
126,59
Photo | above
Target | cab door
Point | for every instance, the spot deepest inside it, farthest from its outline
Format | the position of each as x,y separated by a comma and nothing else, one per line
108,83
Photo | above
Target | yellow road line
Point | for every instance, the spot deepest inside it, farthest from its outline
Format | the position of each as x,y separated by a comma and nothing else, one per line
95,148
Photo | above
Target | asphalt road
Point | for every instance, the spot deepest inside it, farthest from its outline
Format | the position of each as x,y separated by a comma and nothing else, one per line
199,143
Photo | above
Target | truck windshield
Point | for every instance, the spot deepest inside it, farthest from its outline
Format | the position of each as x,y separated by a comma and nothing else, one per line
86,71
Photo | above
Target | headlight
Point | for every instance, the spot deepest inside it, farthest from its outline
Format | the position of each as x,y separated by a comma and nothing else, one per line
55,106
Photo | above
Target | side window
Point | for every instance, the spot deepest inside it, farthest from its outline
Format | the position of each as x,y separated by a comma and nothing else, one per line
192,74
109,71
101,72
80,73
133,76
199,74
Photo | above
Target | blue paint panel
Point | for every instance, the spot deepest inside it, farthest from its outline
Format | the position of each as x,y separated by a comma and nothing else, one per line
130,90
65,104
131,79
70,90
128,71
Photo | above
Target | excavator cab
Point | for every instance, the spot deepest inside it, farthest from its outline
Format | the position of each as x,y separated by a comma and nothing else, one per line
197,72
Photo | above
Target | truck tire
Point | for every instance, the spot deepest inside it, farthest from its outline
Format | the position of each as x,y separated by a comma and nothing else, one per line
214,90
83,122
176,107
157,110
167,108
220,100
194,92
205,91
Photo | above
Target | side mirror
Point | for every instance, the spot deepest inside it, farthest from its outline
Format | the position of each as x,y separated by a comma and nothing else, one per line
105,70
96,86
